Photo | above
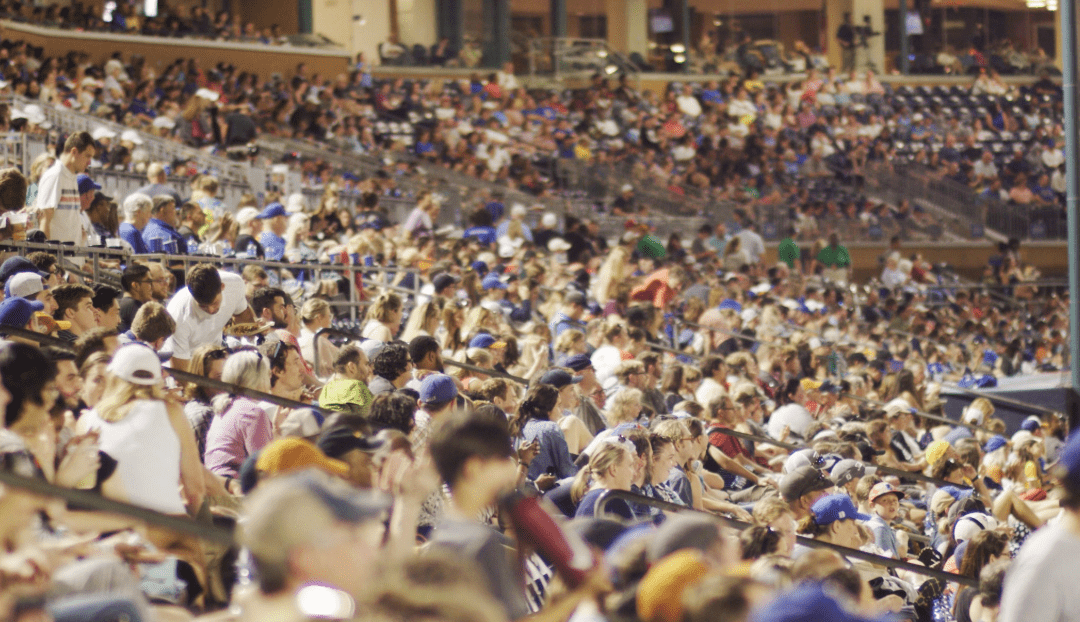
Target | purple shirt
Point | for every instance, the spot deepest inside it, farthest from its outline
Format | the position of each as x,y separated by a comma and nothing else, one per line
243,429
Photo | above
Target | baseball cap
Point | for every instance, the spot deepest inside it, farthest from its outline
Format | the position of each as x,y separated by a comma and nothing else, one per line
660,592
86,184
969,525
829,509
372,347
272,210
480,267
300,423
847,470
246,215
559,378
15,265
484,340
803,480
549,220
136,363
729,303
437,389
1031,424
806,603
574,297
881,489
18,311
443,280
340,440
286,455
1068,466
101,131
996,442
576,362
23,284
492,281
897,406
936,451
558,245
131,136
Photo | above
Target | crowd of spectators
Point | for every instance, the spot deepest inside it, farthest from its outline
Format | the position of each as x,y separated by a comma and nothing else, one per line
373,476
195,22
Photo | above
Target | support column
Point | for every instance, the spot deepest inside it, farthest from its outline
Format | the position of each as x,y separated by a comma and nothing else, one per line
497,47
905,45
683,7
875,51
451,21
1057,38
558,18
628,26
418,22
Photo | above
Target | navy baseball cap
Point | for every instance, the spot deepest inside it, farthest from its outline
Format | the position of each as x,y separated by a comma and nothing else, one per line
829,509
492,281
559,378
18,311
480,268
1068,464
437,389
484,340
15,265
86,184
272,210
576,362
995,443
443,280
340,440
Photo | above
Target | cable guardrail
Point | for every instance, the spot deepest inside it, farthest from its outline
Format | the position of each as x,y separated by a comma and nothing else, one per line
878,560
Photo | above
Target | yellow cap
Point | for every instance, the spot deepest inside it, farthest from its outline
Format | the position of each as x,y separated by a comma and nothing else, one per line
809,384
294,454
936,451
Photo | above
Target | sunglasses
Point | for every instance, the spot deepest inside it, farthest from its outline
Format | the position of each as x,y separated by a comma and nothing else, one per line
217,354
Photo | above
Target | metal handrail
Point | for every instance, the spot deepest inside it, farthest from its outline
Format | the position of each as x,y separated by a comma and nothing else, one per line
878,560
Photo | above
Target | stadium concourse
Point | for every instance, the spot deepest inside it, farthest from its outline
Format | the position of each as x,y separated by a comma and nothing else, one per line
267,409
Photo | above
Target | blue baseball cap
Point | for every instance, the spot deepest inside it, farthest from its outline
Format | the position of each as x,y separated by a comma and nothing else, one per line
86,184
1070,462
1031,424
18,311
492,281
480,268
559,378
576,362
437,389
806,603
995,443
827,510
272,210
15,265
728,303
484,340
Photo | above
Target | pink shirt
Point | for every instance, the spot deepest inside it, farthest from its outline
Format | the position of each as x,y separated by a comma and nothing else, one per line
243,429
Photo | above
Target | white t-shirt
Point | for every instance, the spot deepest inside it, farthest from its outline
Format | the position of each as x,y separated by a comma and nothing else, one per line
147,453
59,192
1041,583
194,327
604,360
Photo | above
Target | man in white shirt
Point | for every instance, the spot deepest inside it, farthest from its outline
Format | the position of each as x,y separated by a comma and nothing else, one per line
985,169
203,309
58,206
713,373
687,103
752,242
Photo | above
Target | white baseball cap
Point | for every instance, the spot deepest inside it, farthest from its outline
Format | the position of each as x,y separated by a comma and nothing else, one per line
131,136
136,363
969,525
164,122
246,215
101,132
550,220
208,94
23,285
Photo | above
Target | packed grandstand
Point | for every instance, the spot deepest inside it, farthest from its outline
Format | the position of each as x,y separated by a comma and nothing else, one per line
387,349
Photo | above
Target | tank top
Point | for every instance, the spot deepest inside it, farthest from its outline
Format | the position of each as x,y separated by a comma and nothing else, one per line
147,453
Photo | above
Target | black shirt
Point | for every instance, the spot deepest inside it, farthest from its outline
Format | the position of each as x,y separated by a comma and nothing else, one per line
242,242
128,308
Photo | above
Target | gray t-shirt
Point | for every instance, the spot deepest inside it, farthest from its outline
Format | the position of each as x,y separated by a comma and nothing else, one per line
495,555
1041,583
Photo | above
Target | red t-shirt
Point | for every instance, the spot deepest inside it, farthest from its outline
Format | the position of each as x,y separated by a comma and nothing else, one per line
727,444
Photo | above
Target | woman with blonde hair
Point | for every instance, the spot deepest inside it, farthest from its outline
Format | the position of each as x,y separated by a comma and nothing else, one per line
614,270
480,319
316,315
221,236
384,318
452,339
423,321
611,467
570,342
149,438
625,407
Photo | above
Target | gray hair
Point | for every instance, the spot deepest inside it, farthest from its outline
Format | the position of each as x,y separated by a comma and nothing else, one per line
247,368
135,203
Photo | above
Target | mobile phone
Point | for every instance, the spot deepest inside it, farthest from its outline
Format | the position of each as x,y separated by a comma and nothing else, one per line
550,470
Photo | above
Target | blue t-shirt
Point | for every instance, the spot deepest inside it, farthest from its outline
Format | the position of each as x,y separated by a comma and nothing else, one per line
587,506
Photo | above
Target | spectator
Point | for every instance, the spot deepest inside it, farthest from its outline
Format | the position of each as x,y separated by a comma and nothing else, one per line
159,183
58,206
276,222
347,389
138,289
240,426
75,305
137,208
203,308
160,234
